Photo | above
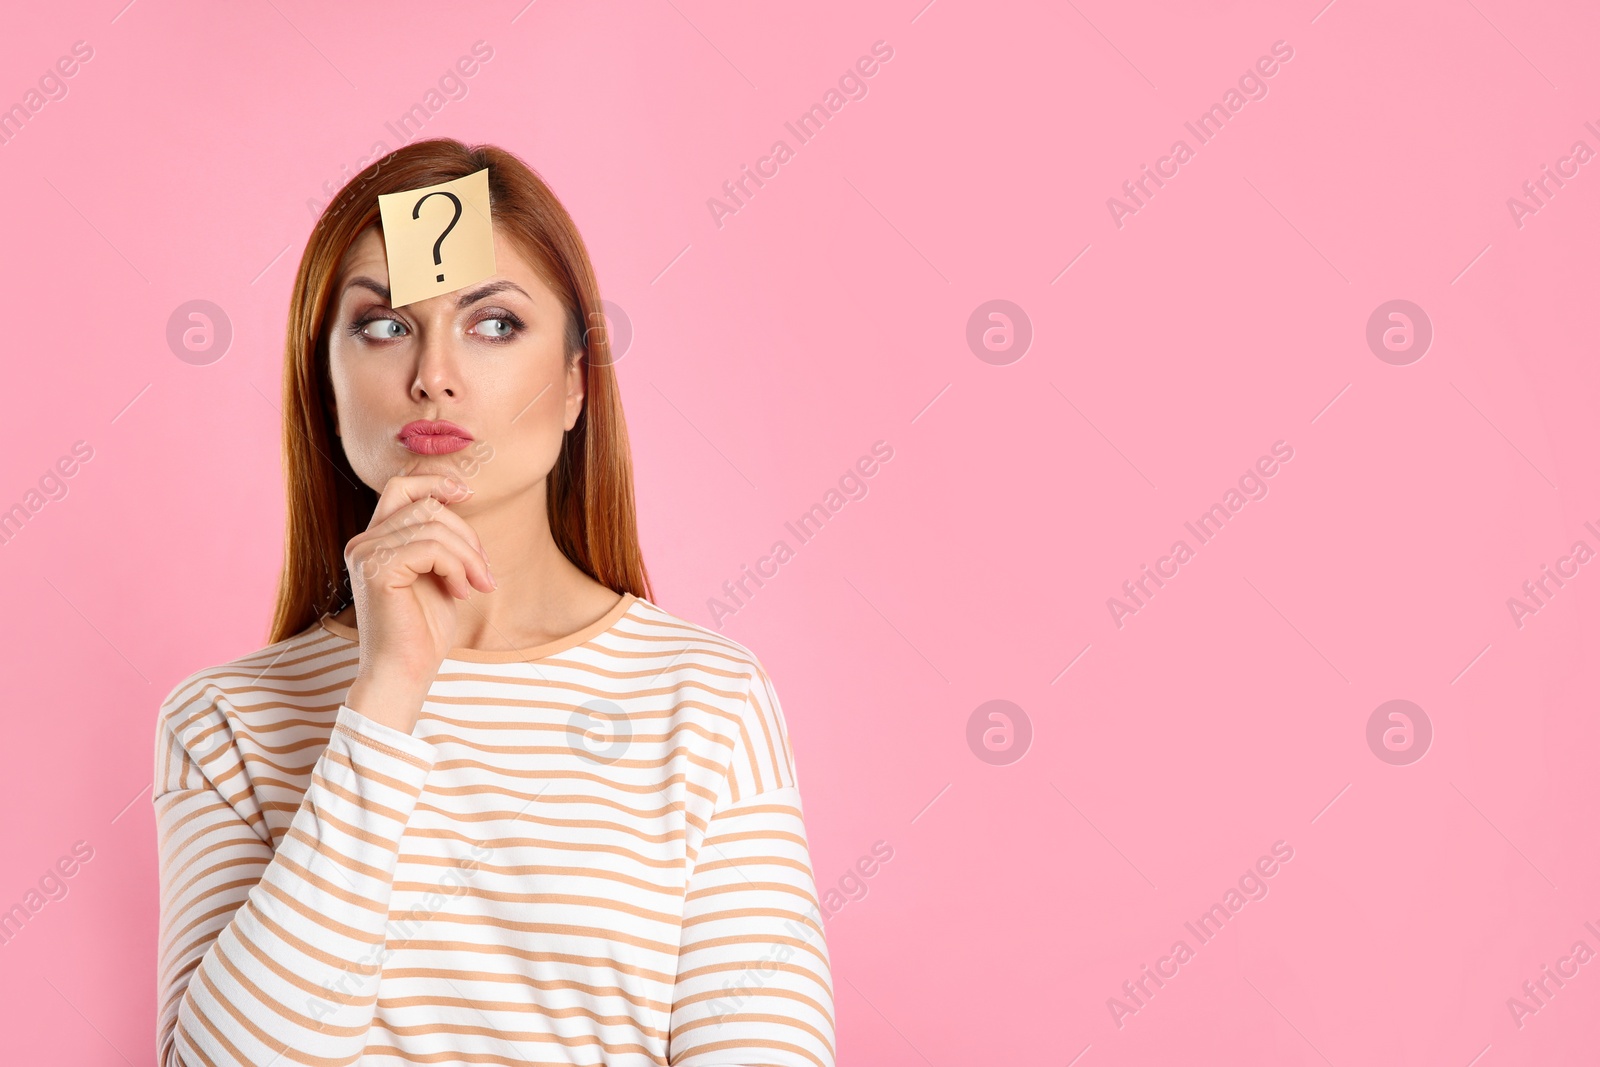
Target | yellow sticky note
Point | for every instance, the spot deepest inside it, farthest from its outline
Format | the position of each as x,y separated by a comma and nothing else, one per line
438,238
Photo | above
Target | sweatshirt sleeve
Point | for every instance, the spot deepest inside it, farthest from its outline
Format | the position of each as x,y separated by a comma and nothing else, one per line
754,987
274,953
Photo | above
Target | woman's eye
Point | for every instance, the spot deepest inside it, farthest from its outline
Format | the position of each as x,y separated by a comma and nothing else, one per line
389,329
497,327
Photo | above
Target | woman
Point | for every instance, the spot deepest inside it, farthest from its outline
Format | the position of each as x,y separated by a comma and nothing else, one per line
507,816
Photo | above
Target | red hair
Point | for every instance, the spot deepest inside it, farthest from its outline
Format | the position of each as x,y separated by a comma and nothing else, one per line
590,488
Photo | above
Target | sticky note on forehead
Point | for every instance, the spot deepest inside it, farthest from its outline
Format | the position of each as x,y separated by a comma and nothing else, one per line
438,238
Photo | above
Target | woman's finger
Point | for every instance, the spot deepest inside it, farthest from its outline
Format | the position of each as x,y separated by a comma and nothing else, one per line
378,547
404,564
405,489
431,509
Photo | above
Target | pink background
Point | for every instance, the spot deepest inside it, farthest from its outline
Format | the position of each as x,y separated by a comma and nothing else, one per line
831,312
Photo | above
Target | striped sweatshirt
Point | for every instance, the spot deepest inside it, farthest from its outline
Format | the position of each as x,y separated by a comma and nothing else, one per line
589,852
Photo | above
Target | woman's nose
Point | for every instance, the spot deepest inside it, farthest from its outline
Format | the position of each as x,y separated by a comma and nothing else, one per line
436,367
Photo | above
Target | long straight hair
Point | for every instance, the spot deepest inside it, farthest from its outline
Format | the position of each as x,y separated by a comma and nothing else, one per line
590,488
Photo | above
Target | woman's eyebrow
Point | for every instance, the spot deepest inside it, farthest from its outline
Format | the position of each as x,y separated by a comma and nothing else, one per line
472,296
367,283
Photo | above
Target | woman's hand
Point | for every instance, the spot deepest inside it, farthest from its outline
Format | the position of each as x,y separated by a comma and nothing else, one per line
415,558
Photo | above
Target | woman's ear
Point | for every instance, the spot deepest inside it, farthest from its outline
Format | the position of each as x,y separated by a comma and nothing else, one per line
575,391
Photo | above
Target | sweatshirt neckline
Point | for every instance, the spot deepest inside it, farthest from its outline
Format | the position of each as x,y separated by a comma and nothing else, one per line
515,655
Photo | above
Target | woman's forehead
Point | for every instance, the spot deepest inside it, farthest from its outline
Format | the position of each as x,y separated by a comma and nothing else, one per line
367,256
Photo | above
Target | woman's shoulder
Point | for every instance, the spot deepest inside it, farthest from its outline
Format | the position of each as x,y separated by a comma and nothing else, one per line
756,752
727,675
679,640
295,671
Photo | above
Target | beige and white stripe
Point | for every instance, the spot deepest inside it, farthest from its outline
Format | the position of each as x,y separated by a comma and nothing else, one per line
496,887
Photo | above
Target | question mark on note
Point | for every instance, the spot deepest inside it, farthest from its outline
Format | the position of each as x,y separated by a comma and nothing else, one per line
416,213
414,246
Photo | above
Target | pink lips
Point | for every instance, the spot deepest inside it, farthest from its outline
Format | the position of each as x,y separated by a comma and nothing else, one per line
433,437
